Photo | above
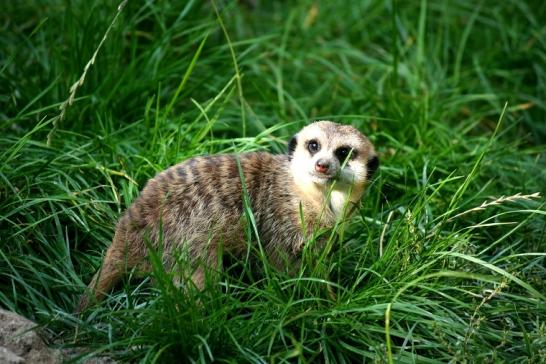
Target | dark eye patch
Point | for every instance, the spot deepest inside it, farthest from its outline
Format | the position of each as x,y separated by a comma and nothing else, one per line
313,146
292,146
343,152
372,166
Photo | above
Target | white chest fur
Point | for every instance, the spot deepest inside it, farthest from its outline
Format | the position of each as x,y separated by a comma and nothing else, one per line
339,202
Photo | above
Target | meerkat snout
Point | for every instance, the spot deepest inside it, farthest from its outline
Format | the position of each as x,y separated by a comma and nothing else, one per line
323,166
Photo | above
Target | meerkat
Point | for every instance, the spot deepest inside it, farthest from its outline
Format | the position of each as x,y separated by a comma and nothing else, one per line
198,205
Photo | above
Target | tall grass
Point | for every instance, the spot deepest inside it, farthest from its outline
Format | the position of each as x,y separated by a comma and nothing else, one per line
445,259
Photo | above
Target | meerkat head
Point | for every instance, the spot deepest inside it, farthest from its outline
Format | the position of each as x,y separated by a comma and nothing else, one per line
325,152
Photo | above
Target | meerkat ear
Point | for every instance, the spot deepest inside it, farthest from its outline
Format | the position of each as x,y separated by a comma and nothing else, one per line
292,145
372,166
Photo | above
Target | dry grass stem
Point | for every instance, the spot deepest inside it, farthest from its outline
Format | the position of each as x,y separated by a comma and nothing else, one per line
517,197
81,80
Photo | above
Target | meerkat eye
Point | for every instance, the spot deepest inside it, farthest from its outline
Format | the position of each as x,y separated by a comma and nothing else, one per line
313,146
343,152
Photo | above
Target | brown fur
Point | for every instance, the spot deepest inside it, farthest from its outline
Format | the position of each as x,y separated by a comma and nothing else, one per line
197,205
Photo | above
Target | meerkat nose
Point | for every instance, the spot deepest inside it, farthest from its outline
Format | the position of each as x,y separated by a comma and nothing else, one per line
322,166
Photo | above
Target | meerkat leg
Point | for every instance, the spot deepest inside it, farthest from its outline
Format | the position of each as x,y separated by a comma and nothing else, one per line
197,274
198,278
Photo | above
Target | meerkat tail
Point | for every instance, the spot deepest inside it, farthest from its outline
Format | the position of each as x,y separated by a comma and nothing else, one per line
108,275
116,263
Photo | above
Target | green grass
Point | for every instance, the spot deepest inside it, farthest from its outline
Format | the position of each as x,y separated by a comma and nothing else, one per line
453,94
